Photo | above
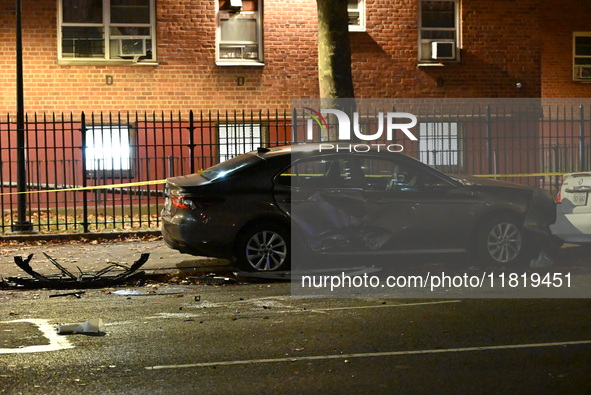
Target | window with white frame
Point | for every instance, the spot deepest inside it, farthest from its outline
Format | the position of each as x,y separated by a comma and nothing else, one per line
356,9
582,56
239,35
107,30
439,30
441,145
236,139
108,151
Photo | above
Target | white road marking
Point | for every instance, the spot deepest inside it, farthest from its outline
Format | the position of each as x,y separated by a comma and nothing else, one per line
385,305
370,355
56,342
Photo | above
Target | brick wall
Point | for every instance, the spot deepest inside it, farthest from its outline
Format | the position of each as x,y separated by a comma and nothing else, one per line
501,46
186,76
557,56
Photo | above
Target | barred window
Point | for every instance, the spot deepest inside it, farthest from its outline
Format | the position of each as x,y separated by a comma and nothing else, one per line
236,139
441,145
108,152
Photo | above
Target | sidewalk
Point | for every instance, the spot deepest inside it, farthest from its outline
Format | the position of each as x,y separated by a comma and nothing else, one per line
92,256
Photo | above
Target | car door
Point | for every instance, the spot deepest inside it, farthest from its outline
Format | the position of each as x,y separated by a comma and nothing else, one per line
325,204
413,208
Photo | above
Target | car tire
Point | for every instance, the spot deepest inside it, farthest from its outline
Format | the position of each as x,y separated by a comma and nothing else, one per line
502,242
264,247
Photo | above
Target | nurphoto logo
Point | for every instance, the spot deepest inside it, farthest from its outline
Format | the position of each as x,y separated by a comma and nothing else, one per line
392,121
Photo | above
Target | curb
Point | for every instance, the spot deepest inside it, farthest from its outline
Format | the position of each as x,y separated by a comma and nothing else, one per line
78,236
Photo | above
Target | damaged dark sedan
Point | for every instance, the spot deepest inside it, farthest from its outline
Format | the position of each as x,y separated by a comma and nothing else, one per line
256,207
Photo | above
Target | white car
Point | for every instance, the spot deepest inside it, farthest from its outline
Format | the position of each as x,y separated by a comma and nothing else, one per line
573,211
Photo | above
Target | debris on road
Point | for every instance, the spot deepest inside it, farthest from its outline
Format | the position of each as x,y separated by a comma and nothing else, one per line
68,280
212,279
164,290
94,326
77,294
543,260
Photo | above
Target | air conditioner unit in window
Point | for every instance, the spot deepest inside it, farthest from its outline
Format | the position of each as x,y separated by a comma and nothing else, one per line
132,47
582,73
443,50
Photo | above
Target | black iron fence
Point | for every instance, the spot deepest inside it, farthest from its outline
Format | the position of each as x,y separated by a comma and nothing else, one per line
76,163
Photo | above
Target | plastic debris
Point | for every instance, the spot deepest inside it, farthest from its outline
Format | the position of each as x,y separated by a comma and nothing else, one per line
163,290
76,294
212,279
543,260
94,326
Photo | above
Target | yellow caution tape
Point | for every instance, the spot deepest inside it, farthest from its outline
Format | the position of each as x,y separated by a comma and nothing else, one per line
519,175
110,186
157,182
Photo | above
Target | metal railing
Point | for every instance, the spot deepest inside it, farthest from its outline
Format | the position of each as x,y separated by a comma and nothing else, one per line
66,153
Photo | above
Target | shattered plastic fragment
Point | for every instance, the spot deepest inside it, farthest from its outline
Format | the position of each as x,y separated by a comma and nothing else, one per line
212,279
76,294
94,326
543,260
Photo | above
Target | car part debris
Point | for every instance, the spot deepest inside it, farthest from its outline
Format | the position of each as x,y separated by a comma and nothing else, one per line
76,294
94,326
68,280
150,292
212,279
543,260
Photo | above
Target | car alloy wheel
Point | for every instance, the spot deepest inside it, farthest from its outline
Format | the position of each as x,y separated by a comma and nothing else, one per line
504,242
265,249
501,241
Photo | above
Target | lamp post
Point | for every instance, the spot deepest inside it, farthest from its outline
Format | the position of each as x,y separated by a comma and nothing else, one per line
21,225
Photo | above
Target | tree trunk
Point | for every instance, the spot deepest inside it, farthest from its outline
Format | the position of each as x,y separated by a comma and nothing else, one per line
334,50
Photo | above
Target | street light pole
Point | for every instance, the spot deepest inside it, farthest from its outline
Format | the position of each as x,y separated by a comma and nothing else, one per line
21,225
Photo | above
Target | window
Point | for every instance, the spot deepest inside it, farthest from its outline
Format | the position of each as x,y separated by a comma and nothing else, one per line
236,139
108,152
239,38
439,30
107,30
356,10
582,56
392,175
440,145
318,173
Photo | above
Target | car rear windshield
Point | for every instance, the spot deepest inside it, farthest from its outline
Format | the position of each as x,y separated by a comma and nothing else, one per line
230,167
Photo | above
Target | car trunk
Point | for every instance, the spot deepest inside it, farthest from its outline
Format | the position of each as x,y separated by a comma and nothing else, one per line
575,193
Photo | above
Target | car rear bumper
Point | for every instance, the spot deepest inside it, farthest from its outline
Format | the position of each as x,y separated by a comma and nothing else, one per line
195,240
572,228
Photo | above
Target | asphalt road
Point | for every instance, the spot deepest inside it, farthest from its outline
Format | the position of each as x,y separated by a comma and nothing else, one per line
255,338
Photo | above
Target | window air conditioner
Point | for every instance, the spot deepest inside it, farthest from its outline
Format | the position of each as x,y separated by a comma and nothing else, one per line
582,73
443,50
236,4
134,47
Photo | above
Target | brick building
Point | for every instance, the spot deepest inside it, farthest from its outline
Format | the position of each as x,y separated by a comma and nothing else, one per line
102,55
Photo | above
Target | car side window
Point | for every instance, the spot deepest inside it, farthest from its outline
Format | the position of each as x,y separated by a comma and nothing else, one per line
389,174
317,173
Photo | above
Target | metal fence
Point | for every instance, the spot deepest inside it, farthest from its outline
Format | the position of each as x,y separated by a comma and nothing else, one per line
71,159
